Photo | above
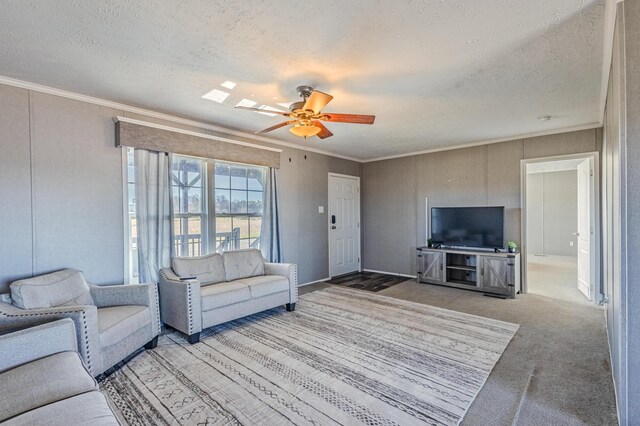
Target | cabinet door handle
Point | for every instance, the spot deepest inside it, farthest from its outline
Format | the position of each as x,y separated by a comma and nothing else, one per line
481,271
441,266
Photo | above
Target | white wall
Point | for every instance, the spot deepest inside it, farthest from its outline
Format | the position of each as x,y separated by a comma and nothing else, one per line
552,213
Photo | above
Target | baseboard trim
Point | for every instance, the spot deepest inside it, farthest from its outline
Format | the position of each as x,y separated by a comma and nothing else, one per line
389,273
313,282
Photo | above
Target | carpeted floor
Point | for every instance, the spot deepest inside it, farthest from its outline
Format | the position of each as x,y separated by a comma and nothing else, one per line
370,281
555,371
555,277
343,357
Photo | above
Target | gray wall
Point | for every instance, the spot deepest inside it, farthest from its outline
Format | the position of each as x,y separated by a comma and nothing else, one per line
394,191
552,213
621,211
61,188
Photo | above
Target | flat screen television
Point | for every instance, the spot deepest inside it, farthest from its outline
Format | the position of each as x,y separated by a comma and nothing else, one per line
477,227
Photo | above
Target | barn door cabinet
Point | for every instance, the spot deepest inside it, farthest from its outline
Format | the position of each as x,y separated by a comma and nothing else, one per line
492,273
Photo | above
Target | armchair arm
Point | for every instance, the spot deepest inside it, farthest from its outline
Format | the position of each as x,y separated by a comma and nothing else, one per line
85,319
289,270
37,342
130,294
180,303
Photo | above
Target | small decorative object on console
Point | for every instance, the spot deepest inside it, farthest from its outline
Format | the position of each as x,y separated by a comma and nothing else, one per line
512,246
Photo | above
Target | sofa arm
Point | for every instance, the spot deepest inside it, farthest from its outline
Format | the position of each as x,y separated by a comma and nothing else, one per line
180,303
85,319
130,294
289,270
37,342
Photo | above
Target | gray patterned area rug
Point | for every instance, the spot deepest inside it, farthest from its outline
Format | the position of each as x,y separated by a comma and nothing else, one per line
344,357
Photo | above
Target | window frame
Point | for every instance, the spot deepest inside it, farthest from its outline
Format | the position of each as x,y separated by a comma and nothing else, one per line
247,191
204,216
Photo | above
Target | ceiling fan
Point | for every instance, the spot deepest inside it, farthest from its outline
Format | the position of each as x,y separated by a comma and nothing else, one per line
307,116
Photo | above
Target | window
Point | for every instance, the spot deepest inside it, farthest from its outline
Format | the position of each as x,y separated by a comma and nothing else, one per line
238,192
239,199
189,190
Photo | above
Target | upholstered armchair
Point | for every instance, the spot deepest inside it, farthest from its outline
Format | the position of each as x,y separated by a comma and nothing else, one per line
43,380
111,321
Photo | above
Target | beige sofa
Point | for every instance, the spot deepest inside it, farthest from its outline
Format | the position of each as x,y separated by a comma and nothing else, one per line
112,322
44,381
200,292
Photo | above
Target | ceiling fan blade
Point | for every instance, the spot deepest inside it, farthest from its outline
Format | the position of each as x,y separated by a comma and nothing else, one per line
277,126
317,101
266,111
324,132
350,118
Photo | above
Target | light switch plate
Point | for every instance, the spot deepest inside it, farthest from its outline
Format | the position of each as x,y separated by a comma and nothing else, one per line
320,209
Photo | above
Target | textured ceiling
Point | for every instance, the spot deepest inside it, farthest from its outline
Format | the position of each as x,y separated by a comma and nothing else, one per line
435,73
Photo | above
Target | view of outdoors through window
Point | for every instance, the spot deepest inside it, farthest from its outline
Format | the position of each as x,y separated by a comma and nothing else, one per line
188,189
239,198
239,194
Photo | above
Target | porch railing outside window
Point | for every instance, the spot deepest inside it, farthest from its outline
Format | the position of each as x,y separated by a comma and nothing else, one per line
189,189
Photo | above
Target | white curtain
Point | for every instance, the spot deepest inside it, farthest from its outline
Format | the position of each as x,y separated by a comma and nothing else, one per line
153,213
270,233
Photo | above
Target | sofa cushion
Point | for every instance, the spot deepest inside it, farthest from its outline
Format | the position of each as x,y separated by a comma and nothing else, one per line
89,408
243,263
115,323
266,285
62,288
224,294
43,381
207,269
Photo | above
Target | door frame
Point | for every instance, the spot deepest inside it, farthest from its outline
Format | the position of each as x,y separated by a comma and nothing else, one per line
594,158
330,205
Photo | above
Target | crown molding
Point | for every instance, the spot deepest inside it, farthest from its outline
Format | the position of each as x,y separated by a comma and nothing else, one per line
609,29
162,116
490,141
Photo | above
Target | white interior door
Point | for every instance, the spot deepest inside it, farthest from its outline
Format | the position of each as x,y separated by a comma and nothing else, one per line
344,224
584,229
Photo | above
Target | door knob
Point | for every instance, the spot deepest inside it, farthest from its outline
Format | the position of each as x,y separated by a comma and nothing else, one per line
333,227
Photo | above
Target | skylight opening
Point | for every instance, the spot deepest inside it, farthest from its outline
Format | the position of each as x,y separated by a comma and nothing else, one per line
246,103
216,96
228,84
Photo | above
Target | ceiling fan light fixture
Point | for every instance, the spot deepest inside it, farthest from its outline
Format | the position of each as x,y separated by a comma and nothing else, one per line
304,130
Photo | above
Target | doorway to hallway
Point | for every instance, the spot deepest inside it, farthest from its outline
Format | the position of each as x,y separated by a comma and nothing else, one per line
559,223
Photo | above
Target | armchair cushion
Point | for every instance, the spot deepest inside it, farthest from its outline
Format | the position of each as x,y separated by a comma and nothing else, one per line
119,322
43,381
266,285
207,269
89,408
62,288
243,263
224,294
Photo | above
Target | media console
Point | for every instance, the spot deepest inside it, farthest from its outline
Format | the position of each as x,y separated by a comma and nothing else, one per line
484,271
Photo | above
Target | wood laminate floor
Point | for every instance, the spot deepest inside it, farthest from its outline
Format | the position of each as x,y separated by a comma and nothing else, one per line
370,281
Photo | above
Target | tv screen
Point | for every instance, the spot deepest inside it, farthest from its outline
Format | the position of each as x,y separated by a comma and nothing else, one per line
481,227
